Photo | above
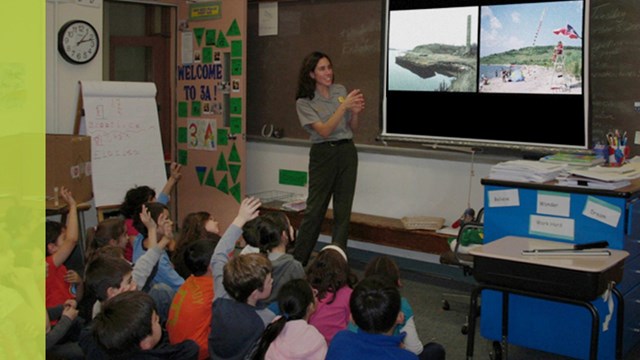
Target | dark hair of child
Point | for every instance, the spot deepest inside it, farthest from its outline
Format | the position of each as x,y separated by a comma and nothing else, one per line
245,273
270,230
385,267
250,232
328,273
107,230
52,232
193,229
124,321
134,199
375,305
197,256
294,299
155,209
104,270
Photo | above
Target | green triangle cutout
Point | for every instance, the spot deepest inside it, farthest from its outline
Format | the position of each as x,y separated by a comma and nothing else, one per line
210,180
201,170
224,185
222,40
222,163
234,156
235,191
234,29
234,170
198,32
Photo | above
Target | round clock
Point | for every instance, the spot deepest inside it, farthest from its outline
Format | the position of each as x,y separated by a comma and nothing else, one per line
78,42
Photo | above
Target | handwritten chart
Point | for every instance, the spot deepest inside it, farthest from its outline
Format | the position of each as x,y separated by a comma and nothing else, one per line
126,148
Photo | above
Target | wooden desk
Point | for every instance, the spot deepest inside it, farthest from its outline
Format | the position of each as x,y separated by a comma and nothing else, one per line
375,229
501,266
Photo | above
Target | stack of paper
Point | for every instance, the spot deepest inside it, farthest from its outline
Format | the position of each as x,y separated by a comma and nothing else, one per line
526,171
602,177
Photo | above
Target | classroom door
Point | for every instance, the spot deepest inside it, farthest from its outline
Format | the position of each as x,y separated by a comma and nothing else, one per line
211,139
139,48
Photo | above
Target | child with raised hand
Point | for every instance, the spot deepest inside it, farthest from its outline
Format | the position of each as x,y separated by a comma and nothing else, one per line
385,268
165,274
196,226
239,283
290,336
275,236
329,274
62,284
375,308
129,328
139,195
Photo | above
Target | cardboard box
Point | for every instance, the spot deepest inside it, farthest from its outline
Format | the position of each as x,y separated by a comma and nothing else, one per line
68,165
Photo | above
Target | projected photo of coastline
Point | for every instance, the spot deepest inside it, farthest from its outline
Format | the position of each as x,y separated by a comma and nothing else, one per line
531,48
433,50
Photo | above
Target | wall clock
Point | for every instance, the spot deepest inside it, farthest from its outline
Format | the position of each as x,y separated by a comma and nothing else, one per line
78,42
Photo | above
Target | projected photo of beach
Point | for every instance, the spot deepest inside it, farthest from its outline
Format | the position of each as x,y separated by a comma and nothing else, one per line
531,48
433,49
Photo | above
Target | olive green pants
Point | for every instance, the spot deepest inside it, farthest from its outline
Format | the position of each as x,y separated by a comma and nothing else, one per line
333,170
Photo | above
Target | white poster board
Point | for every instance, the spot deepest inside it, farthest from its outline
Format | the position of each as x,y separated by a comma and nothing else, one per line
126,148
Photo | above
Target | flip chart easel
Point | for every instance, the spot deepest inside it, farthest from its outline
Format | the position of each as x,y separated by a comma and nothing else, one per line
126,147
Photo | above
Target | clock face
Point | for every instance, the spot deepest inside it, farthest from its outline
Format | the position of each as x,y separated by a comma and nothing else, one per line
78,42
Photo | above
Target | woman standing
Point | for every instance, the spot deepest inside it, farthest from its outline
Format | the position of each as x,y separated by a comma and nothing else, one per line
330,115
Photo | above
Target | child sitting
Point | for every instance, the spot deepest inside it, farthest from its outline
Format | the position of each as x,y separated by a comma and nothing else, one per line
111,231
195,226
290,336
375,308
165,274
139,195
62,284
275,235
330,276
386,268
103,274
239,283
190,313
129,328
250,237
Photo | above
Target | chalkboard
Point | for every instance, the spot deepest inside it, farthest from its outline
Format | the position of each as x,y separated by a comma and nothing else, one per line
615,74
346,30
350,32
126,149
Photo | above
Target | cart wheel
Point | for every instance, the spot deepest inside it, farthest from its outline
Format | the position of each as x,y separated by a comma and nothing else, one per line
496,353
445,305
465,329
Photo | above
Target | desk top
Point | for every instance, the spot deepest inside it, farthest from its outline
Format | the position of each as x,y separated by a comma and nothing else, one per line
624,192
510,248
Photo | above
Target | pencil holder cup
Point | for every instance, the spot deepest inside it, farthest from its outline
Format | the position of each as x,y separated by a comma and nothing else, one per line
618,155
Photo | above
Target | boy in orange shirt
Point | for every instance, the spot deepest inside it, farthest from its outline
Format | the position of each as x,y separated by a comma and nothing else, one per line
190,312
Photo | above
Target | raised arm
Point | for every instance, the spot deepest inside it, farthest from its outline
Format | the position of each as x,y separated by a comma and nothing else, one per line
145,263
248,211
174,177
71,234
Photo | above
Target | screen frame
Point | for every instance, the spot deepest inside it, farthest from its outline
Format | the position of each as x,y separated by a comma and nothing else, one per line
449,131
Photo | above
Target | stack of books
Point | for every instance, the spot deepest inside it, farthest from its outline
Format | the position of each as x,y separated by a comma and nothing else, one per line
526,171
574,160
